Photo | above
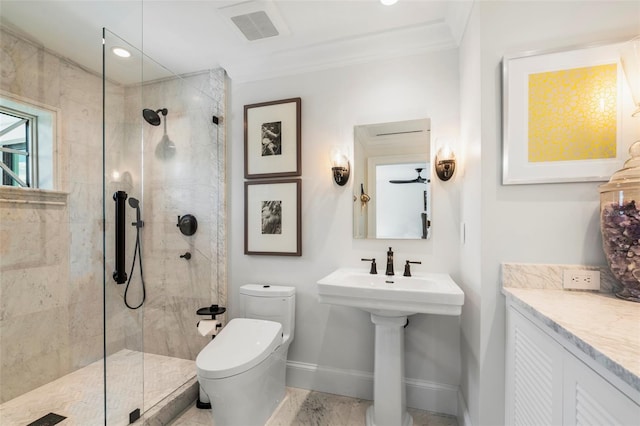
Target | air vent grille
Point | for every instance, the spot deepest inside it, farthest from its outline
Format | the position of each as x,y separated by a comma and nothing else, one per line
255,25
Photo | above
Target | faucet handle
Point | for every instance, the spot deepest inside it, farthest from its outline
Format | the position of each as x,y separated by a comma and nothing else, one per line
374,269
407,267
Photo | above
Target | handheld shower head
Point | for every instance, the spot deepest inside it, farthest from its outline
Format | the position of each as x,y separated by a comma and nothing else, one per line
133,202
152,117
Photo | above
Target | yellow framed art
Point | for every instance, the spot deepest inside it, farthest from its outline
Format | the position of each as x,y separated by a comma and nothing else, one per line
563,117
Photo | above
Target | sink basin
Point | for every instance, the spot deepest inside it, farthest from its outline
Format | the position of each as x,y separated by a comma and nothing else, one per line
430,293
389,300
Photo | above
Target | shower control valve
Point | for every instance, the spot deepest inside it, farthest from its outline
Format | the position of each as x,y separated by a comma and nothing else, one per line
188,224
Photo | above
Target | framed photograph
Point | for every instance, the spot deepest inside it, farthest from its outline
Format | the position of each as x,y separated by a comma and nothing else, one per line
272,219
272,139
562,115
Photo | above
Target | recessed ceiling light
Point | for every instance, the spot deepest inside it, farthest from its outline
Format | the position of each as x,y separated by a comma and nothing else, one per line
388,2
119,51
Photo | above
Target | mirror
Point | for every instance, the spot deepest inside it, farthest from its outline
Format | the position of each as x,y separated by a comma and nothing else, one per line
392,180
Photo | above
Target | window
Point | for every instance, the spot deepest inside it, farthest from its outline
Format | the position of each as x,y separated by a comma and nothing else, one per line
17,148
27,144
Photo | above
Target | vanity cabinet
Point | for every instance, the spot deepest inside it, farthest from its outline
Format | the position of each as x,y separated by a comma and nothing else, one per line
547,384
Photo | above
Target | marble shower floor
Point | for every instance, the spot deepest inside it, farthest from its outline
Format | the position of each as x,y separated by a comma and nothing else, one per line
310,408
79,395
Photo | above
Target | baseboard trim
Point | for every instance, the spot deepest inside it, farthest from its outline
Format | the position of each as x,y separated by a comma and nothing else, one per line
421,394
464,419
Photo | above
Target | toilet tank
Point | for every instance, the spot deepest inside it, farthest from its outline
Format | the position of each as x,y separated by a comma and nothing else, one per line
270,302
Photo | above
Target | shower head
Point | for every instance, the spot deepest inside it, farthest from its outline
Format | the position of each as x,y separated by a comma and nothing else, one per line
133,202
152,116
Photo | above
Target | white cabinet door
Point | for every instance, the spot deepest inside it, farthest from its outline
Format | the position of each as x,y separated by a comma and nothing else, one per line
591,400
534,374
547,385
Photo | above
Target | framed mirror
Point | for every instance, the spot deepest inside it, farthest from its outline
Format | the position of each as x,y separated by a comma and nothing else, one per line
392,180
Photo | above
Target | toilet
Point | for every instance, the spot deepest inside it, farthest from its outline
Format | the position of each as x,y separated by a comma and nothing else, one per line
243,369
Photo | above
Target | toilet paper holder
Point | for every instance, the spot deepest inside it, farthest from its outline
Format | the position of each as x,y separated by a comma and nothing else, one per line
212,310
210,326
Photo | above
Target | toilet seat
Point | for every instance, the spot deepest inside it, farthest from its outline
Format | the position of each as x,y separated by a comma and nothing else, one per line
241,345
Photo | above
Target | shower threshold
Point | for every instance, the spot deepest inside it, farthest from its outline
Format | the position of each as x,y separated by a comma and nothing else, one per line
169,386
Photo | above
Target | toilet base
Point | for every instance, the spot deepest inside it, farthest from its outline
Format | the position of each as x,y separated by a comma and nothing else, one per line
203,402
203,405
262,388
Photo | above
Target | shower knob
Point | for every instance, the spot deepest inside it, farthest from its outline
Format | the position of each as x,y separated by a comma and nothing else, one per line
187,224
187,256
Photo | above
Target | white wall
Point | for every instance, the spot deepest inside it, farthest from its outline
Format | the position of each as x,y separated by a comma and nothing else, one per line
553,223
333,101
470,203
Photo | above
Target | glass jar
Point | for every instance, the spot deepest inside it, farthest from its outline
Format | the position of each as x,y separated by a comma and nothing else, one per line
620,226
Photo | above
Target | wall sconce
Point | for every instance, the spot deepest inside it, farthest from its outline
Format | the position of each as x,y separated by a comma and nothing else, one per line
340,167
445,163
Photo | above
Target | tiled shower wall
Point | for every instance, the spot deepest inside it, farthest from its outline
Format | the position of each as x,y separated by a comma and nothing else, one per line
51,255
191,181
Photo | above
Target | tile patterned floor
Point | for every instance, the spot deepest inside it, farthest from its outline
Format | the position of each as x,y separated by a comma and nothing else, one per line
310,408
79,395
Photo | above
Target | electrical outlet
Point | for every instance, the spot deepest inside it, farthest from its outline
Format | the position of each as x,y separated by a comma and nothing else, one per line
581,279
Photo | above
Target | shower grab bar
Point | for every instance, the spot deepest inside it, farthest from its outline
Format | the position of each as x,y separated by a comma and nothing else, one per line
120,275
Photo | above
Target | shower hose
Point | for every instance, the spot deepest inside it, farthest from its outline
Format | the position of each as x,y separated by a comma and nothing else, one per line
137,252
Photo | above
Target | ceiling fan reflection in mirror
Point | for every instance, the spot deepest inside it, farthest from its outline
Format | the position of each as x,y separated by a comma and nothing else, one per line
419,179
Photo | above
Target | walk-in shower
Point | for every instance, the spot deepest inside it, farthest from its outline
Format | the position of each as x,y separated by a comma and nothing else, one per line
69,344
154,314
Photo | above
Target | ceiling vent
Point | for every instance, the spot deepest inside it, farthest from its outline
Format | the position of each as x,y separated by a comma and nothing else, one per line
255,20
255,25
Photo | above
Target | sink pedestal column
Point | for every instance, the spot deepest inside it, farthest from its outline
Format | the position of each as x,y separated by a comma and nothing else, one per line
389,404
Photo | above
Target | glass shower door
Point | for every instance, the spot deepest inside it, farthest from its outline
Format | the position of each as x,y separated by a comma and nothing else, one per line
164,151
123,201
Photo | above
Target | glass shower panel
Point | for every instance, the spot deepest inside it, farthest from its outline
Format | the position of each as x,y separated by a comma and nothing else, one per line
123,162
163,158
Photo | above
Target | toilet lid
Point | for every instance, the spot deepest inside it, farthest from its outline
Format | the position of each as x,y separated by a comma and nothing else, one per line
242,344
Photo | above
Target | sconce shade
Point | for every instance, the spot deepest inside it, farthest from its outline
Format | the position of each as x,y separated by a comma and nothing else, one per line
630,59
341,174
445,163
340,167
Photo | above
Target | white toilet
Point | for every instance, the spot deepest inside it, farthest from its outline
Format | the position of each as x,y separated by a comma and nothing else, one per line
243,369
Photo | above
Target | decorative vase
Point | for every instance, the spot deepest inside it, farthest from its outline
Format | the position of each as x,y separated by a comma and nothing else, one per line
620,226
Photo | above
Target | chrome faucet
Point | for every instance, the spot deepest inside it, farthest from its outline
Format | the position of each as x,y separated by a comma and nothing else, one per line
389,262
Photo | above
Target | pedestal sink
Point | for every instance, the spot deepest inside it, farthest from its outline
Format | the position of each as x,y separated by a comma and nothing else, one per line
390,300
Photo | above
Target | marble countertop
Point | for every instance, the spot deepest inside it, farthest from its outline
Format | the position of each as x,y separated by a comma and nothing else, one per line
605,328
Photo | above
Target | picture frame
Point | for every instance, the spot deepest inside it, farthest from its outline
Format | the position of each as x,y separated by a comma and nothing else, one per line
550,131
272,136
272,217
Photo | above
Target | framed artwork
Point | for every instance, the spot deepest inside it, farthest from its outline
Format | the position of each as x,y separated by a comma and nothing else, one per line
562,114
272,139
272,219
